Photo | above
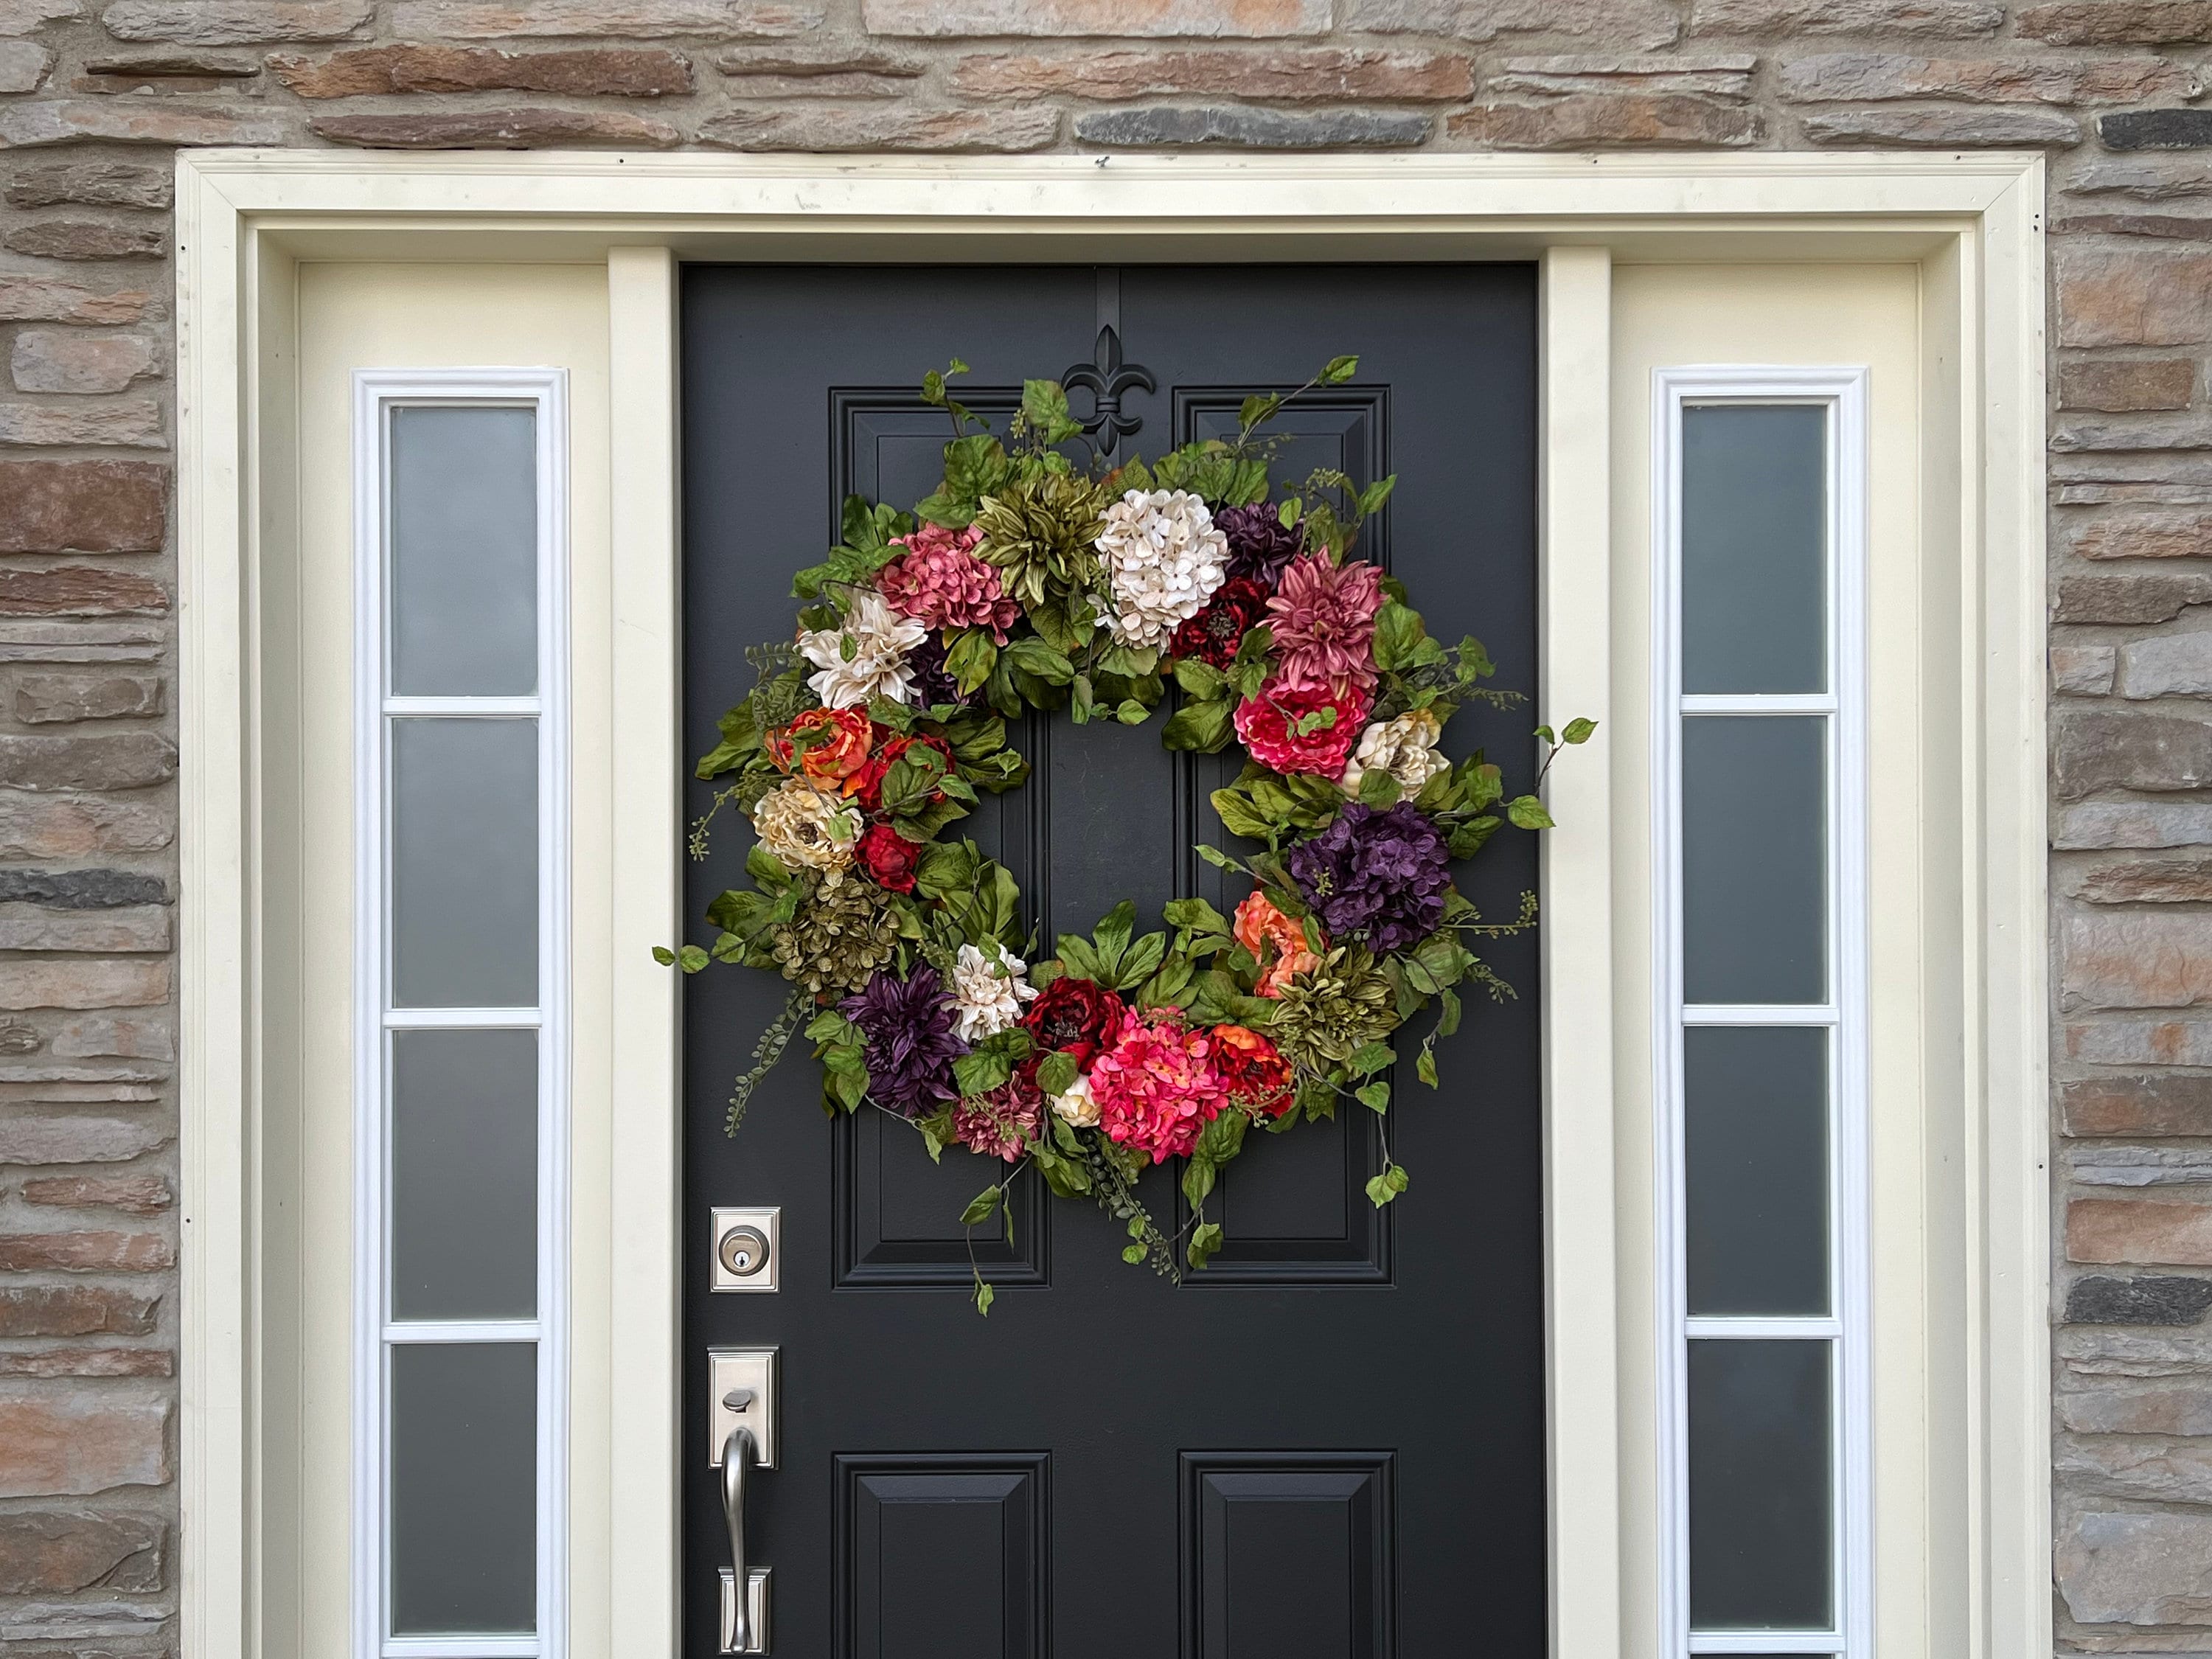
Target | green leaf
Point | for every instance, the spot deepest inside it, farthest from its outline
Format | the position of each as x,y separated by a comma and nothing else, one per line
1578,730
1398,630
1467,839
1223,1138
1083,705
1140,960
1204,727
1378,1191
1369,1059
1448,1014
1198,1179
1079,959
1196,914
1132,1253
1372,497
1527,812
1205,1240
1375,1095
1132,713
971,661
981,1071
691,958
981,1208
1115,928
1238,819
1058,1072
986,1294
1424,1068
1200,679
664,956
1339,370
1214,856
1378,788
1034,656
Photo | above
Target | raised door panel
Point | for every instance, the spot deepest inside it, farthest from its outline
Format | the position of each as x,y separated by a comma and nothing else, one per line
941,1556
1287,1555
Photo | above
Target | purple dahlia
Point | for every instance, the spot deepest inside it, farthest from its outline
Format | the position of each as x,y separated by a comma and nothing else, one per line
933,683
1259,543
1380,877
911,1046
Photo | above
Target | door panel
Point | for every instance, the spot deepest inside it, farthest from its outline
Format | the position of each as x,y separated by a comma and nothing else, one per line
1327,1442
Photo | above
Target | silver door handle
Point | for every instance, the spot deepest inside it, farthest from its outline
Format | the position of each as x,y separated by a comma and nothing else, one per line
740,1453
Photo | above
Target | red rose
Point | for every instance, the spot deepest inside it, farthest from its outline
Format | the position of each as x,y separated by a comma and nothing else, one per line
1258,1076
1213,634
888,857
868,782
1073,1014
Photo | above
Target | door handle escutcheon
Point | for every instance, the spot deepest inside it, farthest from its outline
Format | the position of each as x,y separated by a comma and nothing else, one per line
745,1587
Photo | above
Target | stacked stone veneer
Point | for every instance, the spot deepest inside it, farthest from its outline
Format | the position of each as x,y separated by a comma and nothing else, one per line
92,96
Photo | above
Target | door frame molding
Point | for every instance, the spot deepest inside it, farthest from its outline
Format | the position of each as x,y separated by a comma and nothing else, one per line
246,219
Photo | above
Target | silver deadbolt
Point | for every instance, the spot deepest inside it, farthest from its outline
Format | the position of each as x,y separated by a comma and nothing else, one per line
745,1246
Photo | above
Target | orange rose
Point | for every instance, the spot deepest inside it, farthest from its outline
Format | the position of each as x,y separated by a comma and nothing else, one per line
1264,930
840,750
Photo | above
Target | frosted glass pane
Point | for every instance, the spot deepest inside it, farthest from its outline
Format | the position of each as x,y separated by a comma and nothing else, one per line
1761,1498
1756,1145
464,551
1755,548
465,863
1754,833
464,1175
463,1548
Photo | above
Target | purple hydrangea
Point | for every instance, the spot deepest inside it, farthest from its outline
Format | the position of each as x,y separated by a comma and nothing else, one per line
1380,877
1259,543
907,1026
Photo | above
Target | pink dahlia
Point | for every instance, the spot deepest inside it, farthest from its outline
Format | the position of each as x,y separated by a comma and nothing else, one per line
1292,730
939,582
1323,619
1002,1123
1157,1084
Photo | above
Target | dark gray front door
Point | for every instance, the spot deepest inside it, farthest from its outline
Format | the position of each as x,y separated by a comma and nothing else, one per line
1329,1444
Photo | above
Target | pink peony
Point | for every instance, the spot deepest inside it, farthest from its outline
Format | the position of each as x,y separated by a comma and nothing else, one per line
1269,727
1157,1085
941,582
1323,619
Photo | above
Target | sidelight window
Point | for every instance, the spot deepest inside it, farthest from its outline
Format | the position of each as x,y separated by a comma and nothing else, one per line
461,1104
1759,539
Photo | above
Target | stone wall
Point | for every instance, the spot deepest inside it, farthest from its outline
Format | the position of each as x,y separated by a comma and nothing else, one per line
93,95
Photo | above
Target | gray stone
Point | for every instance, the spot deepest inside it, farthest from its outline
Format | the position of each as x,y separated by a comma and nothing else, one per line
2141,1043
2157,129
22,65
2135,1467
86,1138
234,23
81,642
50,1552
2132,1568
132,423
2136,959
1634,25
1102,19
2141,1166
640,20
2150,180
98,1036
50,699
1870,76
2155,1355
2100,748
827,129
2083,671
1957,19
1236,126
1720,74
2132,824
25,17
2130,597
54,360
2149,1299
82,890
2145,881
2173,664
76,826
2126,437
123,760
139,927
90,184
1932,129
2138,1407
131,121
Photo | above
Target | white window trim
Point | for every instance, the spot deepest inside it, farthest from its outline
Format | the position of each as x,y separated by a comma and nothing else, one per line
1843,392
1972,222
377,393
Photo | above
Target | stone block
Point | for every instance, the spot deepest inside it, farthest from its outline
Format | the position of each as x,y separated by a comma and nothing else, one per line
2150,881
129,423
405,66
829,130
82,890
2152,1232
46,1311
23,65
100,933
1942,129
2130,1466
2083,671
82,507
61,1552
638,20
2118,22
84,984
26,17
150,1195
2150,177
56,359
75,1443
2140,1166
88,184
2149,437
1236,126
85,1252
2147,1299
87,239
1610,120
2136,1568
1720,74
1286,73
79,590
2157,129
499,128
1104,19
2116,387
123,760
1627,25
2165,226
2133,599
2135,959
2170,664
2098,748
2172,1104
235,22
2141,1043
1946,19
2148,297
35,828
27,1137
2144,536
830,60
104,1034
129,121
1854,77
2150,1407
81,639
89,1362
49,699
40,300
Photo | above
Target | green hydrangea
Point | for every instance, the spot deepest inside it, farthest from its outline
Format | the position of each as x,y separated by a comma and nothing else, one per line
845,929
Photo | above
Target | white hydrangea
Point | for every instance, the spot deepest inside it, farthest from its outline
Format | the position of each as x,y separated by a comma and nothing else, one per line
800,825
988,991
1405,747
1164,558
1078,1108
865,657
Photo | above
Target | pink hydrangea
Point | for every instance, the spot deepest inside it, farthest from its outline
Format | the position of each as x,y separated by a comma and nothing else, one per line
939,581
1322,615
1157,1084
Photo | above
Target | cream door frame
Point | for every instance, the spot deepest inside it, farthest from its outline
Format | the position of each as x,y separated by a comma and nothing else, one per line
1972,224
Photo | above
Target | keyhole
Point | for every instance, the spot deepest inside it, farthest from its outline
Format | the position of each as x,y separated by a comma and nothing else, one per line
743,1251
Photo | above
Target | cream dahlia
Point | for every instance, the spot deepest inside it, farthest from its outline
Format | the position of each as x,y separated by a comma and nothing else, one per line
1164,558
1323,619
799,825
1405,747
988,991
865,657
939,582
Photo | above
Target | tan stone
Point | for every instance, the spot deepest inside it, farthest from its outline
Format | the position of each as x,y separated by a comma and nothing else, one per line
2142,384
82,507
1597,121
2118,22
22,65
641,20
633,72
133,1194
60,1552
25,16
126,760
235,22
139,927
1724,74
35,828
71,1445
40,300
2083,671
2150,297
1626,25
833,58
1958,19
127,121
2145,535
89,1362
75,1310
135,423
827,129
1865,76
108,1033
92,184
2150,881
1107,19
45,1137
47,699
2164,1232
2136,961
2165,226
86,1252
79,590
1939,128
2141,1409
1299,74
498,128
88,239
51,359
84,984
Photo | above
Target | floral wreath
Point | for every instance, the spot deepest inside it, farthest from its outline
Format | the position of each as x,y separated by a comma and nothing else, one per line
1035,578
